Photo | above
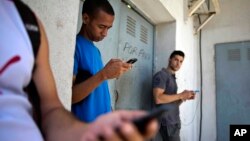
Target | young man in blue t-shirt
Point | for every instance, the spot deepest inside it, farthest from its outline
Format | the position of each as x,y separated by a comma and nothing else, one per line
91,96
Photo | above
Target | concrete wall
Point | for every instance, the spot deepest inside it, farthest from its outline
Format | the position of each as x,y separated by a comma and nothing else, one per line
165,35
59,18
231,25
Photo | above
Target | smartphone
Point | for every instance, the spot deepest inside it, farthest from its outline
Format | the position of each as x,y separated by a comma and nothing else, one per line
132,61
142,122
196,91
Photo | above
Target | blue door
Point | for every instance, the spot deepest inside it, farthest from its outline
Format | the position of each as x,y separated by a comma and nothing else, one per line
134,89
232,86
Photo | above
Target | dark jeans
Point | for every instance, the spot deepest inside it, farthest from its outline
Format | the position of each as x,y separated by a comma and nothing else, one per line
170,132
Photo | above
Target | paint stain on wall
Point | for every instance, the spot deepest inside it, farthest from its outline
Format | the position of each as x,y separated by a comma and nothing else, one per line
59,24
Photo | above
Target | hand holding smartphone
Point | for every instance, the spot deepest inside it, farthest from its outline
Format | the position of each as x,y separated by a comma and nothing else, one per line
132,61
141,123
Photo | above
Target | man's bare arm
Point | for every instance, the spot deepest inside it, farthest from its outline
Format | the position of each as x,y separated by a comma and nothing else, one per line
57,122
161,98
83,89
113,69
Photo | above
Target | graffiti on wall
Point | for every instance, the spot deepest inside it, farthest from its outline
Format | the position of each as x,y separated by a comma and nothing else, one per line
136,51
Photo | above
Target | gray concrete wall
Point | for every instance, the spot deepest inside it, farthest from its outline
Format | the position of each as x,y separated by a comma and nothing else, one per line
165,35
231,25
59,18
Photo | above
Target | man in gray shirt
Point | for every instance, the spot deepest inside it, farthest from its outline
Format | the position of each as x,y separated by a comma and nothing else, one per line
165,93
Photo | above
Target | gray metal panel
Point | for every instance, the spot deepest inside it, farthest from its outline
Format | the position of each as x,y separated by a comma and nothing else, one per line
232,86
134,89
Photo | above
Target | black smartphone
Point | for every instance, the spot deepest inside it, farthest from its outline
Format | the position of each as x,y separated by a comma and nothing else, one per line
132,61
142,122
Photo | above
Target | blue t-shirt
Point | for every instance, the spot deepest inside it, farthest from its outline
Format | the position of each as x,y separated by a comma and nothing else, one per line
88,59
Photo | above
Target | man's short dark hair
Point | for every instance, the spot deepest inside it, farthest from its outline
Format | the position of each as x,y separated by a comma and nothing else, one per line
177,52
92,7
